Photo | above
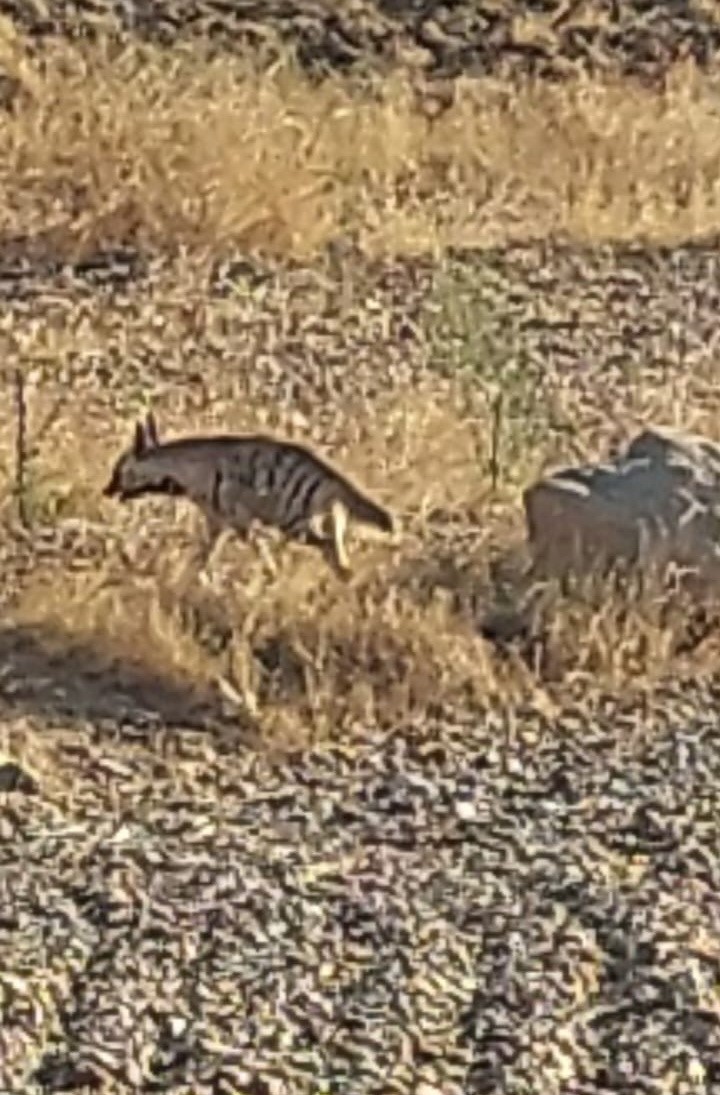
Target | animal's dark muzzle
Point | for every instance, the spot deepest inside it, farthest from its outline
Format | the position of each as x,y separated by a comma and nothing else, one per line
114,490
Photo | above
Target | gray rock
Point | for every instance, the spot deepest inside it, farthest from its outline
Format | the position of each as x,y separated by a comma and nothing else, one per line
657,503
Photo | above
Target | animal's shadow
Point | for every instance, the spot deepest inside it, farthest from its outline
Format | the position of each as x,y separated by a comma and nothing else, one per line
488,589
46,673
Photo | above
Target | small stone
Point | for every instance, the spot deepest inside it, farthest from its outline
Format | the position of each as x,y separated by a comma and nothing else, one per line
466,810
15,778
178,1025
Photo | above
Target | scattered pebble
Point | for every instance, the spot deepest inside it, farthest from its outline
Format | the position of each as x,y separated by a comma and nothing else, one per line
342,920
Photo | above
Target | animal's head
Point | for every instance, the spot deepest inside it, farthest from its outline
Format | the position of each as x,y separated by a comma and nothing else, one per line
134,474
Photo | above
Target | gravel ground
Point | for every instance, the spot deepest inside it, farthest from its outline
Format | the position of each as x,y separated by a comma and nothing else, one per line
549,38
498,903
520,901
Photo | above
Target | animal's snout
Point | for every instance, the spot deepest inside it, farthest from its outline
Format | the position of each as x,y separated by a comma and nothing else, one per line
112,489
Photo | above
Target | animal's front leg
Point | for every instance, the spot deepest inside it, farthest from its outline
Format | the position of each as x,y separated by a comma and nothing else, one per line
257,537
213,542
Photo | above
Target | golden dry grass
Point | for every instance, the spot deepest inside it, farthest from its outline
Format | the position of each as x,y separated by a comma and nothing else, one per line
170,154
305,655
170,151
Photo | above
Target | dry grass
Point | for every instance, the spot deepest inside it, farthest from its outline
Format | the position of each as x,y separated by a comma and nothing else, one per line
168,151
173,155
305,655
301,655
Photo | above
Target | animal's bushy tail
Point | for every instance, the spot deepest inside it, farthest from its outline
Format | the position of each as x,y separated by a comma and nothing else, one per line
364,509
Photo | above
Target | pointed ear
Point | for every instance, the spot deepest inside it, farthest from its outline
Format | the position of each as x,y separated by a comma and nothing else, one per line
139,441
151,431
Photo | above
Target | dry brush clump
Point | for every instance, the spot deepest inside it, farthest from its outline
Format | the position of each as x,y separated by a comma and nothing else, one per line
167,149
300,654
306,657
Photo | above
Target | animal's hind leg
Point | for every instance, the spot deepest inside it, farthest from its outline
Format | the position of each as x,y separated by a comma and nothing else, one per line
338,522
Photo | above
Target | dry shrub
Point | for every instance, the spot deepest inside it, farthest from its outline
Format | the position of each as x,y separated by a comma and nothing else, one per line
299,666
306,656
300,656
637,628
170,150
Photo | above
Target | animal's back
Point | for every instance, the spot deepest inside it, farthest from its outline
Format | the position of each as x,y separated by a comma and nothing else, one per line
257,476
285,483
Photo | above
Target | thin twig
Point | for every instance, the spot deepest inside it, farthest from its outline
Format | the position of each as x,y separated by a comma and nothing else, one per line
21,452
495,440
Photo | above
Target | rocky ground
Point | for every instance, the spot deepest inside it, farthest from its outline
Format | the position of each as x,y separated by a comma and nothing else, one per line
492,899
491,904
546,37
